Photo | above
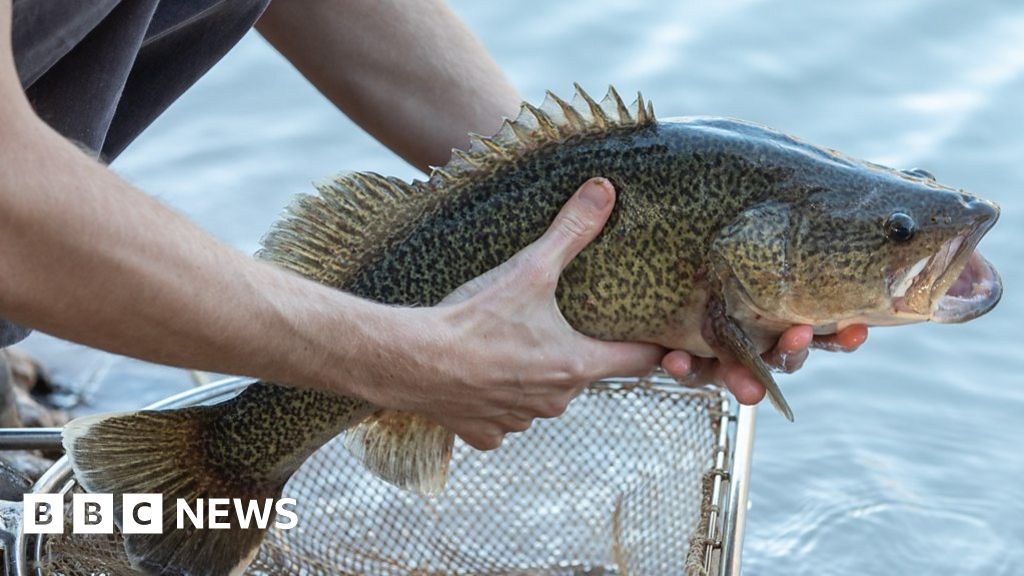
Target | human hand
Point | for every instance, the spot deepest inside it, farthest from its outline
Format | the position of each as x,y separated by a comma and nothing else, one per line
507,355
788,356
517,357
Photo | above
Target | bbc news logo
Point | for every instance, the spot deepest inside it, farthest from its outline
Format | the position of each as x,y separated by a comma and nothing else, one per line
143,513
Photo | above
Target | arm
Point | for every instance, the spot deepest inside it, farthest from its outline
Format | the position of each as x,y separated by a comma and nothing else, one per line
408,71
86,257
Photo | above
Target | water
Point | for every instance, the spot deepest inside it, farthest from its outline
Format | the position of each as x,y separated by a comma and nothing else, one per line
905,457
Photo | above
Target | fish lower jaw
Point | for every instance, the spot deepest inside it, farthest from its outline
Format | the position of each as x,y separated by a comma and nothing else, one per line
976,290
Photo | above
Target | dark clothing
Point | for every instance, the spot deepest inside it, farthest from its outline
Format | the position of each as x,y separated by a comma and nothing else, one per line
11,333
100,71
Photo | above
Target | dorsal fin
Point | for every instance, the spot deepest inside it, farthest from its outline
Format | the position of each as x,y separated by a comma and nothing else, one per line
330,236
554,121
356,217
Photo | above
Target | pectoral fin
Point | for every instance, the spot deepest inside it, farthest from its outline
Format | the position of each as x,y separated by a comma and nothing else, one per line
731,342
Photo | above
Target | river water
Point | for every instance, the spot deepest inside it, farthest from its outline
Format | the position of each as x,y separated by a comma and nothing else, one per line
905,457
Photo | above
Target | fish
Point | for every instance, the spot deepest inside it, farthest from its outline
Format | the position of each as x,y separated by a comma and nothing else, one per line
724,233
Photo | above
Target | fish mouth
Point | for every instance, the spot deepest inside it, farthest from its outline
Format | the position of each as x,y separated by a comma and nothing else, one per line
956,284
975,290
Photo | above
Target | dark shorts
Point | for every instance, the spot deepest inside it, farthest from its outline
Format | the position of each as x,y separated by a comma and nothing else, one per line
100,71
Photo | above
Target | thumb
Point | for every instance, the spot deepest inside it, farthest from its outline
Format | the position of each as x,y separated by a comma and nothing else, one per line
611,359
578,223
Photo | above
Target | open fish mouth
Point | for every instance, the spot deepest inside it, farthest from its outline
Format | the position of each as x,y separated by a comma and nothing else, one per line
973,292
955,285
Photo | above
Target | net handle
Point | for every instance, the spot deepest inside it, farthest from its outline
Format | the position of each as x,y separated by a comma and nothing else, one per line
735,520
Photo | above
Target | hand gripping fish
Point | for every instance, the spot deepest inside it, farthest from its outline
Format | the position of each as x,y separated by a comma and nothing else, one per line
724,233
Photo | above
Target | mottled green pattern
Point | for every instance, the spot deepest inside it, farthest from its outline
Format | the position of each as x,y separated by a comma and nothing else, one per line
810,248
246,450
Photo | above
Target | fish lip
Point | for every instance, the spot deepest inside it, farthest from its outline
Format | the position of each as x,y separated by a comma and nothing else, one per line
985,283
956,259
986,292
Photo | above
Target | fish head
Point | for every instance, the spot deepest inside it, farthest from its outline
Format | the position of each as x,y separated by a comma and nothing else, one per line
932,268
860,243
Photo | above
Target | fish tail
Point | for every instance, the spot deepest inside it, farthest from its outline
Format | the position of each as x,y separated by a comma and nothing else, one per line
166,452
404,449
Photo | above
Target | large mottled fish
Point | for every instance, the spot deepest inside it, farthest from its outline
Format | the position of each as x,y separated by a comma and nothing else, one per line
724,233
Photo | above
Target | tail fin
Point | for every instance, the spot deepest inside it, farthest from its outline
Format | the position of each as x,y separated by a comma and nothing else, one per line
163,452
404,449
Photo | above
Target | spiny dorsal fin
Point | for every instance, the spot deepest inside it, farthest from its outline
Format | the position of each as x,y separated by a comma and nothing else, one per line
358,216
641,112
547,125
554,121
612,98
599,119
574,118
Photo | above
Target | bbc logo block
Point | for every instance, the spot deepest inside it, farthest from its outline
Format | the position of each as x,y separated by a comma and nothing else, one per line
44,513
92,513
144,513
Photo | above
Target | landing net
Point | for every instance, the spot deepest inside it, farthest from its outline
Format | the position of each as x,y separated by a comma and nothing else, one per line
623,483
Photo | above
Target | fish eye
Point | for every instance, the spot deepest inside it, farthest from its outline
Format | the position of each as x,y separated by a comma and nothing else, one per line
900,227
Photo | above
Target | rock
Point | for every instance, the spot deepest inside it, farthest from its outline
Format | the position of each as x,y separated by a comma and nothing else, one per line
20,376
8,401
26,463
27,373
13,484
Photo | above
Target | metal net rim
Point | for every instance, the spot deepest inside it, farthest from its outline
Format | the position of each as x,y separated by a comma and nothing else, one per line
702,544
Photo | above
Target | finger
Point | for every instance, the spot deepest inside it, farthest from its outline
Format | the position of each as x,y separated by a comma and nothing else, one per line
550,406
741,383
703,371
513,423
795,339
578,223
791,349
611,359
678,364
846,340
481,439
790,363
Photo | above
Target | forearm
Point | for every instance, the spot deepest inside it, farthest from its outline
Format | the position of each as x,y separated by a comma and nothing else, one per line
407,71
86,257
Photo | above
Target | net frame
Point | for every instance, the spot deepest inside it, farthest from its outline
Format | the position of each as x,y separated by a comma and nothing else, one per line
721,507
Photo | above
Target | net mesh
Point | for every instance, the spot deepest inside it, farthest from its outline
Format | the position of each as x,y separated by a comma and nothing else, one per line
620,484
